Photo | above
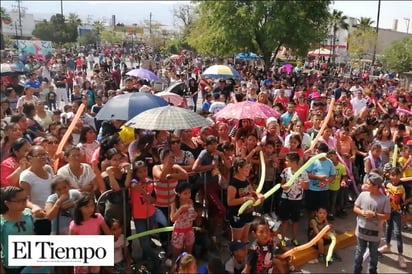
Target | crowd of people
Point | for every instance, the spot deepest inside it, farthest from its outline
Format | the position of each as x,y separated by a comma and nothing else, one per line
110,176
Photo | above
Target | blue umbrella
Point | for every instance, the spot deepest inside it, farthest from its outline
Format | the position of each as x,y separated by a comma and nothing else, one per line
126,106
247,56
143,73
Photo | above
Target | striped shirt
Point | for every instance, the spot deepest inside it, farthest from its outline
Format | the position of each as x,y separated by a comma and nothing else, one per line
165,192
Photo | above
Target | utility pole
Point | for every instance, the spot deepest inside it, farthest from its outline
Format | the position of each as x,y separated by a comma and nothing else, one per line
407,21
376,31
61,7
150,27
19,10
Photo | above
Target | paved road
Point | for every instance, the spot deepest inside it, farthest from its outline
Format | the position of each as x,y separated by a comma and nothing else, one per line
387,264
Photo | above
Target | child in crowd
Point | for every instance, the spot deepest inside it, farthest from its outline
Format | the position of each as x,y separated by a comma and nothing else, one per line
261,253
60,205
396,193
182,214
201,237
315,226
335,198
87,222
67,115
122,259
373,160
237,260
143,201
271,176
185,263
291,198
51,98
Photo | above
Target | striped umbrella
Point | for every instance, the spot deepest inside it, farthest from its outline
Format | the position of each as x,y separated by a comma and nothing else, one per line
221,72
168,118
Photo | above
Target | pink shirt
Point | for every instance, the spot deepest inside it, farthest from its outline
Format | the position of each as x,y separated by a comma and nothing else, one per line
89,227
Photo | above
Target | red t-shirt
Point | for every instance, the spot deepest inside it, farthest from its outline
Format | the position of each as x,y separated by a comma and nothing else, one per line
140,208
302,112
299,151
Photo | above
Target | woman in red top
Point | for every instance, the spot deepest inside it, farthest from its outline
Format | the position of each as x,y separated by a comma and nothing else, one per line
302,108
295,143
15,163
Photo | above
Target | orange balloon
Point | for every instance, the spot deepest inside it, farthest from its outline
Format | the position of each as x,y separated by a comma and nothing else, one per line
311,243
67,134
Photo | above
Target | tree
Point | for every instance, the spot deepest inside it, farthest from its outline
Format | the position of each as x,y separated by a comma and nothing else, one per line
56,30
364,24
184,17
265,26
337,21
398,57
111,37
361,42
4,17
74,19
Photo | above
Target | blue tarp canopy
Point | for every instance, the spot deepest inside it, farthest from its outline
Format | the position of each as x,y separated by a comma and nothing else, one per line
247,56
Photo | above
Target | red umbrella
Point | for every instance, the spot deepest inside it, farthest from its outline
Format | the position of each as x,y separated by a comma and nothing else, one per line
246,110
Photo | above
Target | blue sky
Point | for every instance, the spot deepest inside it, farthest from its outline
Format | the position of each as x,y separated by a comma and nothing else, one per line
130,12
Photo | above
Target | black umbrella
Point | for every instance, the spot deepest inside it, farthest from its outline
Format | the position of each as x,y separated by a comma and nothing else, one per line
10,70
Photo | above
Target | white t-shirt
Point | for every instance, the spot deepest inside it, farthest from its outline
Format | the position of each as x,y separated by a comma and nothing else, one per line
295,192
23,100
40,188
358,105
217,106
85,178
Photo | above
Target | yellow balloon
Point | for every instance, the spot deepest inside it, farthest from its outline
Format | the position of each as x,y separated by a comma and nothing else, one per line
126,134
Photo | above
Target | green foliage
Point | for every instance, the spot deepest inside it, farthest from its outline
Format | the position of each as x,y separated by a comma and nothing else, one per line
364,24
398,56
4,16
111,37
361,42
87,39
56,30
224,28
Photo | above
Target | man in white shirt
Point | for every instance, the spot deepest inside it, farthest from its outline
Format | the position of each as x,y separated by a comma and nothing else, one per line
218,104
358,102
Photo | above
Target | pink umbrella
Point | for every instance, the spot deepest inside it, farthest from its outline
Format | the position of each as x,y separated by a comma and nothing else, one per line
287,67
246,110
171,98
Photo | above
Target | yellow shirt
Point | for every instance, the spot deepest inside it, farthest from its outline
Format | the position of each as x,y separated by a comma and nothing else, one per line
340,172
408,170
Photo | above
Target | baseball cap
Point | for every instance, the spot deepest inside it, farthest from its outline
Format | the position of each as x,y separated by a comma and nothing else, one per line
374,179
236,245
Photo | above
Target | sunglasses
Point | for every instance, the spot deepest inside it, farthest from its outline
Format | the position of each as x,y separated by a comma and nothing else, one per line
174,142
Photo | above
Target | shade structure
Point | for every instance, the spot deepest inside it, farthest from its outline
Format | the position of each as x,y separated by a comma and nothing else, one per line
246,56
246,110
168,118
10,70
170,97
126,106
143,73
221,72
320,52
